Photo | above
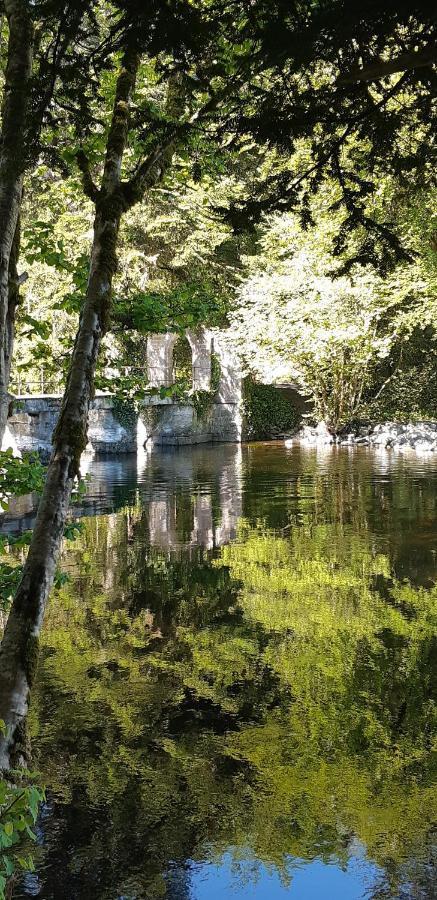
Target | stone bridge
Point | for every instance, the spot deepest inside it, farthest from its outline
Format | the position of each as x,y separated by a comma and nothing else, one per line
115,428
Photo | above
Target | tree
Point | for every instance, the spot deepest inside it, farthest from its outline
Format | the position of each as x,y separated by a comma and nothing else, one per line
357,85
43,43
12,166
173,39
341,337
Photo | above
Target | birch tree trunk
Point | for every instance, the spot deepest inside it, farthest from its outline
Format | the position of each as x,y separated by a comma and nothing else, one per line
19,648
12,166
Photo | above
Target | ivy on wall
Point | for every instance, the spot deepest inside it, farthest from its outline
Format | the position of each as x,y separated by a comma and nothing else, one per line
266,411
125,412
203,400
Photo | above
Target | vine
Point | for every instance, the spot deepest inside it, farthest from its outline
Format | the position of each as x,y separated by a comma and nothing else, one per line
267,411
203,400
125,412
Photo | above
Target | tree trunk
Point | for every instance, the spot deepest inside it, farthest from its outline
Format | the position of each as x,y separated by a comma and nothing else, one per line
19,648
12,166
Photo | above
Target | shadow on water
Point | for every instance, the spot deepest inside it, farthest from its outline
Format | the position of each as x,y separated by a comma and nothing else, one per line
236,687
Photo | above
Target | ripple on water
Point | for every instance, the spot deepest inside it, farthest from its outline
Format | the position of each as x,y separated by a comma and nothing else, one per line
236,688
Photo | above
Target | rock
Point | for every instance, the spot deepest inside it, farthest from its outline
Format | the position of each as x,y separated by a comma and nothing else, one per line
318,436
424,445
323,431
419,436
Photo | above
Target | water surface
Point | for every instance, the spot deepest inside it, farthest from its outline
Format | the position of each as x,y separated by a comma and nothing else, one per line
237,685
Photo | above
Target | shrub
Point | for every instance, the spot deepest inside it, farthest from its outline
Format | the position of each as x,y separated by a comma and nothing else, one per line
19,804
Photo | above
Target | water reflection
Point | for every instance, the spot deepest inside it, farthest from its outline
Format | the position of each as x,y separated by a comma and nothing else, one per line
236,695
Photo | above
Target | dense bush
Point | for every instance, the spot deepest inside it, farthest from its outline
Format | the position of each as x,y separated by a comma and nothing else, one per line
409,383
412,395
267,411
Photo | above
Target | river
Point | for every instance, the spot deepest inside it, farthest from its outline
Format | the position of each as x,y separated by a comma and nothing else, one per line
236,693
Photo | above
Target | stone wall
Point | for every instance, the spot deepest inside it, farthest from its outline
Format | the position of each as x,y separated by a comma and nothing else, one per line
177,424
162,421
30,426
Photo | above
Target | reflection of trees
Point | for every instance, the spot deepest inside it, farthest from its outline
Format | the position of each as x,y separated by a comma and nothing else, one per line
390,496
352,751
274,696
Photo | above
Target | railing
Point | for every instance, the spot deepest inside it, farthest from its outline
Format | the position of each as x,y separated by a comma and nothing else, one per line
22,386
48,383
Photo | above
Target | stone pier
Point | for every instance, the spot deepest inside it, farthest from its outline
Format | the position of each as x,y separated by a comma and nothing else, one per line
32,421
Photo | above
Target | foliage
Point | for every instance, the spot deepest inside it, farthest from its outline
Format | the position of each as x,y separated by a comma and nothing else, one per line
11,550
19,475
203,400
267,411
405,385
19,802
215,373
319,331
182,362
340,96
337,336
125,412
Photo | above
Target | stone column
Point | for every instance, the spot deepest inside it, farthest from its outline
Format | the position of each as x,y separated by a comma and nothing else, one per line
200,343
226,419
231,499
160,359
230,385
162,516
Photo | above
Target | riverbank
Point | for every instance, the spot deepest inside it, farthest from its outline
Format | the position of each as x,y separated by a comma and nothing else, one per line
417,436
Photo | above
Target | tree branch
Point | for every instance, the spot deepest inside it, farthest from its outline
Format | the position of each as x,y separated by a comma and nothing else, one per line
153,167
402,63
149,172
90,188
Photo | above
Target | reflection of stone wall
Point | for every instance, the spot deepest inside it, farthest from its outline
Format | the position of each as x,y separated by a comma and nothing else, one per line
200,486
192,498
